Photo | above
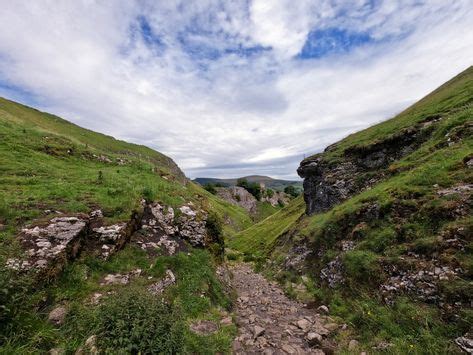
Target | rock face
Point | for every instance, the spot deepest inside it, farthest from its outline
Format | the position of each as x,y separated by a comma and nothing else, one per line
50,244
238,196
58,315
327,183
165,232
278,198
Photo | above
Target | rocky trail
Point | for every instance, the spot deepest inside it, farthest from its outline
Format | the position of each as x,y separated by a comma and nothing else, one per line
271,323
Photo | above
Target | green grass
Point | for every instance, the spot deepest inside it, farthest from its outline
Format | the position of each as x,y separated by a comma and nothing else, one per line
260,238
410,216
449,97
47,163
196,295
264,210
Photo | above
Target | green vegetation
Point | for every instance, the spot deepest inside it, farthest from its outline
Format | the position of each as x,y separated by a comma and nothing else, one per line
405,213
128,316
291,190
134,321
253,188
47,163
260,238
269,183
264,210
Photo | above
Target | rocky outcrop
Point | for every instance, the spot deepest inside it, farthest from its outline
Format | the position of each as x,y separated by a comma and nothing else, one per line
239,196
328,182
163,231
50,244
278,198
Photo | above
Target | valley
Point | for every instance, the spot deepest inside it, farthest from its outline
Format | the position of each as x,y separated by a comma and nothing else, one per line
107,247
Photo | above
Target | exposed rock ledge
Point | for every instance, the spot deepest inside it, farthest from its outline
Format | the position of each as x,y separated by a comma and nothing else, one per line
49,244
330,182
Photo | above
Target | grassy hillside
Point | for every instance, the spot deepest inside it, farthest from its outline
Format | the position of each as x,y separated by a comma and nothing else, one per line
270,183
403,225
48,164
258,240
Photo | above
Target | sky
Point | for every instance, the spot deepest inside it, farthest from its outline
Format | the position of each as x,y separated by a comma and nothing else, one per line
230,88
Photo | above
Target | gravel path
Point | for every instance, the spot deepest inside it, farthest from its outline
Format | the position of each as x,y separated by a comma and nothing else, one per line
271,323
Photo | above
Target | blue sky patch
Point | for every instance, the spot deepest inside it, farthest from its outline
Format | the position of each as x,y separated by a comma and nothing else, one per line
151,39
321,43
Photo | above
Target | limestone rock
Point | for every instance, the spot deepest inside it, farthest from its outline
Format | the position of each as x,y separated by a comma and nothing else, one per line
51,244
58,315
238,196
303,324
120,279
158,287
191,227
110,234
465,343
353,344
257,331
313,338
327,184
204,327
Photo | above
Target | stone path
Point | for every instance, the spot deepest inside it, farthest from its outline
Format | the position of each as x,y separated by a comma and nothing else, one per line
271,323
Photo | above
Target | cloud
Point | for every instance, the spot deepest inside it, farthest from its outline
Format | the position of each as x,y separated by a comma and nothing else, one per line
230,88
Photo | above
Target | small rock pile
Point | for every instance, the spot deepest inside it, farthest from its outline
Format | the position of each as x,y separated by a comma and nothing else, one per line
422,282
271,323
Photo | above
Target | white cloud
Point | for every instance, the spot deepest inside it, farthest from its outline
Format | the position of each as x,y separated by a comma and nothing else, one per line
216,111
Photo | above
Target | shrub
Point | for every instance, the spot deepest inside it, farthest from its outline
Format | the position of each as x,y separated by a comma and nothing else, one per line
269,193
253,188
291,190
232,256
215,230
134,322
210,188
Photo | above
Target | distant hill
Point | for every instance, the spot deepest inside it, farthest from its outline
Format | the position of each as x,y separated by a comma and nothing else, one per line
275,184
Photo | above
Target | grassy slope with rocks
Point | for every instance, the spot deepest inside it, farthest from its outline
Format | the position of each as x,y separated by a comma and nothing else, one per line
47,163
421,222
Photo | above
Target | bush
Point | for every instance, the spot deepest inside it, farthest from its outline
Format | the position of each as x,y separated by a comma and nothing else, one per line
215,230
210,188
291,190
134,322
